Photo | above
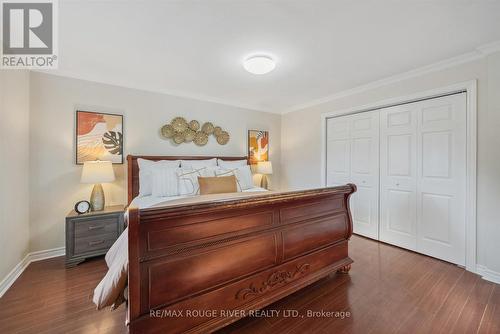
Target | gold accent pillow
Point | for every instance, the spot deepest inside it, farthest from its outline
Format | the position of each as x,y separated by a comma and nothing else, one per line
217,185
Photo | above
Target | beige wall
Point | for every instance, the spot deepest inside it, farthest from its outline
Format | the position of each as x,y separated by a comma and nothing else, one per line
14,172
302,154
54,183
295,145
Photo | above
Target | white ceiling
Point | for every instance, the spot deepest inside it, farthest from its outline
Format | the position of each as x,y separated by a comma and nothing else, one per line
195,48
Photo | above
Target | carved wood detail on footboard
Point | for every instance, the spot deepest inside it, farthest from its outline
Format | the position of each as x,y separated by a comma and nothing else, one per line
198,267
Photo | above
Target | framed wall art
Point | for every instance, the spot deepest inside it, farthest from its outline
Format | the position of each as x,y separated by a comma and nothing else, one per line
99,136
258,146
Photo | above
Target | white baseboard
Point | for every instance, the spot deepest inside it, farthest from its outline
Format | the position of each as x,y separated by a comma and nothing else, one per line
47,254
488,274
14,274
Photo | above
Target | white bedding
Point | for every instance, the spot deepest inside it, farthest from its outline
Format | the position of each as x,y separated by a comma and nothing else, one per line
145,202
111,289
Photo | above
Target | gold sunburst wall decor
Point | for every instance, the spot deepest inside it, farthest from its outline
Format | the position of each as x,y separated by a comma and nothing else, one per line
179,131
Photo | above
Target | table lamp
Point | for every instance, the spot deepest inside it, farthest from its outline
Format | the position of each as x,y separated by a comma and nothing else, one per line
265,168
97,172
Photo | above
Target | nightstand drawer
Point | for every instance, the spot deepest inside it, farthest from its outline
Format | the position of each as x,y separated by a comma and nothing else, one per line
87,228
93,243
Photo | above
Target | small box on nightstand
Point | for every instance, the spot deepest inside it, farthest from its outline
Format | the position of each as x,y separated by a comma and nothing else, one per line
92,234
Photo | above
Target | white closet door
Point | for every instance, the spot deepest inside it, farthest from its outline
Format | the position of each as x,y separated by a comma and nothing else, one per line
365,172
441,154
409,164
422,176
398,177
352,156
338,151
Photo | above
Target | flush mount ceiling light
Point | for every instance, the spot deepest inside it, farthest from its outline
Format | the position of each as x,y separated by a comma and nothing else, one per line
259,64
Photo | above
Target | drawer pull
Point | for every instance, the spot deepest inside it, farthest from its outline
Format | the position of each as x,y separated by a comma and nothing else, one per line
91,228
98,242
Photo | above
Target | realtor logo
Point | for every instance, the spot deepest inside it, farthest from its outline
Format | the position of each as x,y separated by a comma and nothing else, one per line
29,34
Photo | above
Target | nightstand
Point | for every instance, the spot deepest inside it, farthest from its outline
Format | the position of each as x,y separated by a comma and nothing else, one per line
92,234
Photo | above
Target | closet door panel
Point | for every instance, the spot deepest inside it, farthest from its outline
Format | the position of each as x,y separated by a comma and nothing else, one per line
338,127
441,184
398,126
399,213
364,134
338,162
338,151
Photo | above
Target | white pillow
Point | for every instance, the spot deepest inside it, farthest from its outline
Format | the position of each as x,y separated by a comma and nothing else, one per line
165,181
196,164
229,164
188,179
145,173
243,176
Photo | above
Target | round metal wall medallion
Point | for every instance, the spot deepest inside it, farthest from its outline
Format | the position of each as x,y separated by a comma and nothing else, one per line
179,138
179,124
208,128
167,131
223,138
194,125
201,138
189,135
217,131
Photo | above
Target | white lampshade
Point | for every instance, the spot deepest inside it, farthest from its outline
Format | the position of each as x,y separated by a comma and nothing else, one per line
264,167
97,172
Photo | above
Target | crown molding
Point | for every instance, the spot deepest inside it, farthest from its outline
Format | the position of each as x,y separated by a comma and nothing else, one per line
490,48
478,53
173,93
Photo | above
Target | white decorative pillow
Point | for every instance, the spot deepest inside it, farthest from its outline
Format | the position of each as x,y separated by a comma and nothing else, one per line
197,164
188,179
229,164
165,181
208,171
145,173
243,176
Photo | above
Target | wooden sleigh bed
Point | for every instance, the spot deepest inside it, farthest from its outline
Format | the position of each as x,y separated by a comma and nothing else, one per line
198,267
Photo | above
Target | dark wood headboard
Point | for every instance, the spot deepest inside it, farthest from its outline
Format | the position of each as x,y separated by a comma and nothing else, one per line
133,168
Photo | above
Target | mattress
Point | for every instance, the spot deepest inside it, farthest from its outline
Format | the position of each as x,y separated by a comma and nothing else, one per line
145,202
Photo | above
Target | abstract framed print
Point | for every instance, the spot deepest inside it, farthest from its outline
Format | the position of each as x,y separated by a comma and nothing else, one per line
99,136
258,146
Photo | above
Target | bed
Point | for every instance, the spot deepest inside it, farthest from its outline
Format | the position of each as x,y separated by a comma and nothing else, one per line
198,264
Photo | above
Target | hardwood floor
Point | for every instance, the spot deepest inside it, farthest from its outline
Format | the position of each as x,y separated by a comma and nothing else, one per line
388,290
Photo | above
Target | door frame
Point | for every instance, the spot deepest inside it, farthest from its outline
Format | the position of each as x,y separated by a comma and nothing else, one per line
470,88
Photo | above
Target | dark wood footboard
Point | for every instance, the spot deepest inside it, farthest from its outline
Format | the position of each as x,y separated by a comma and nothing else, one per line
197,268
